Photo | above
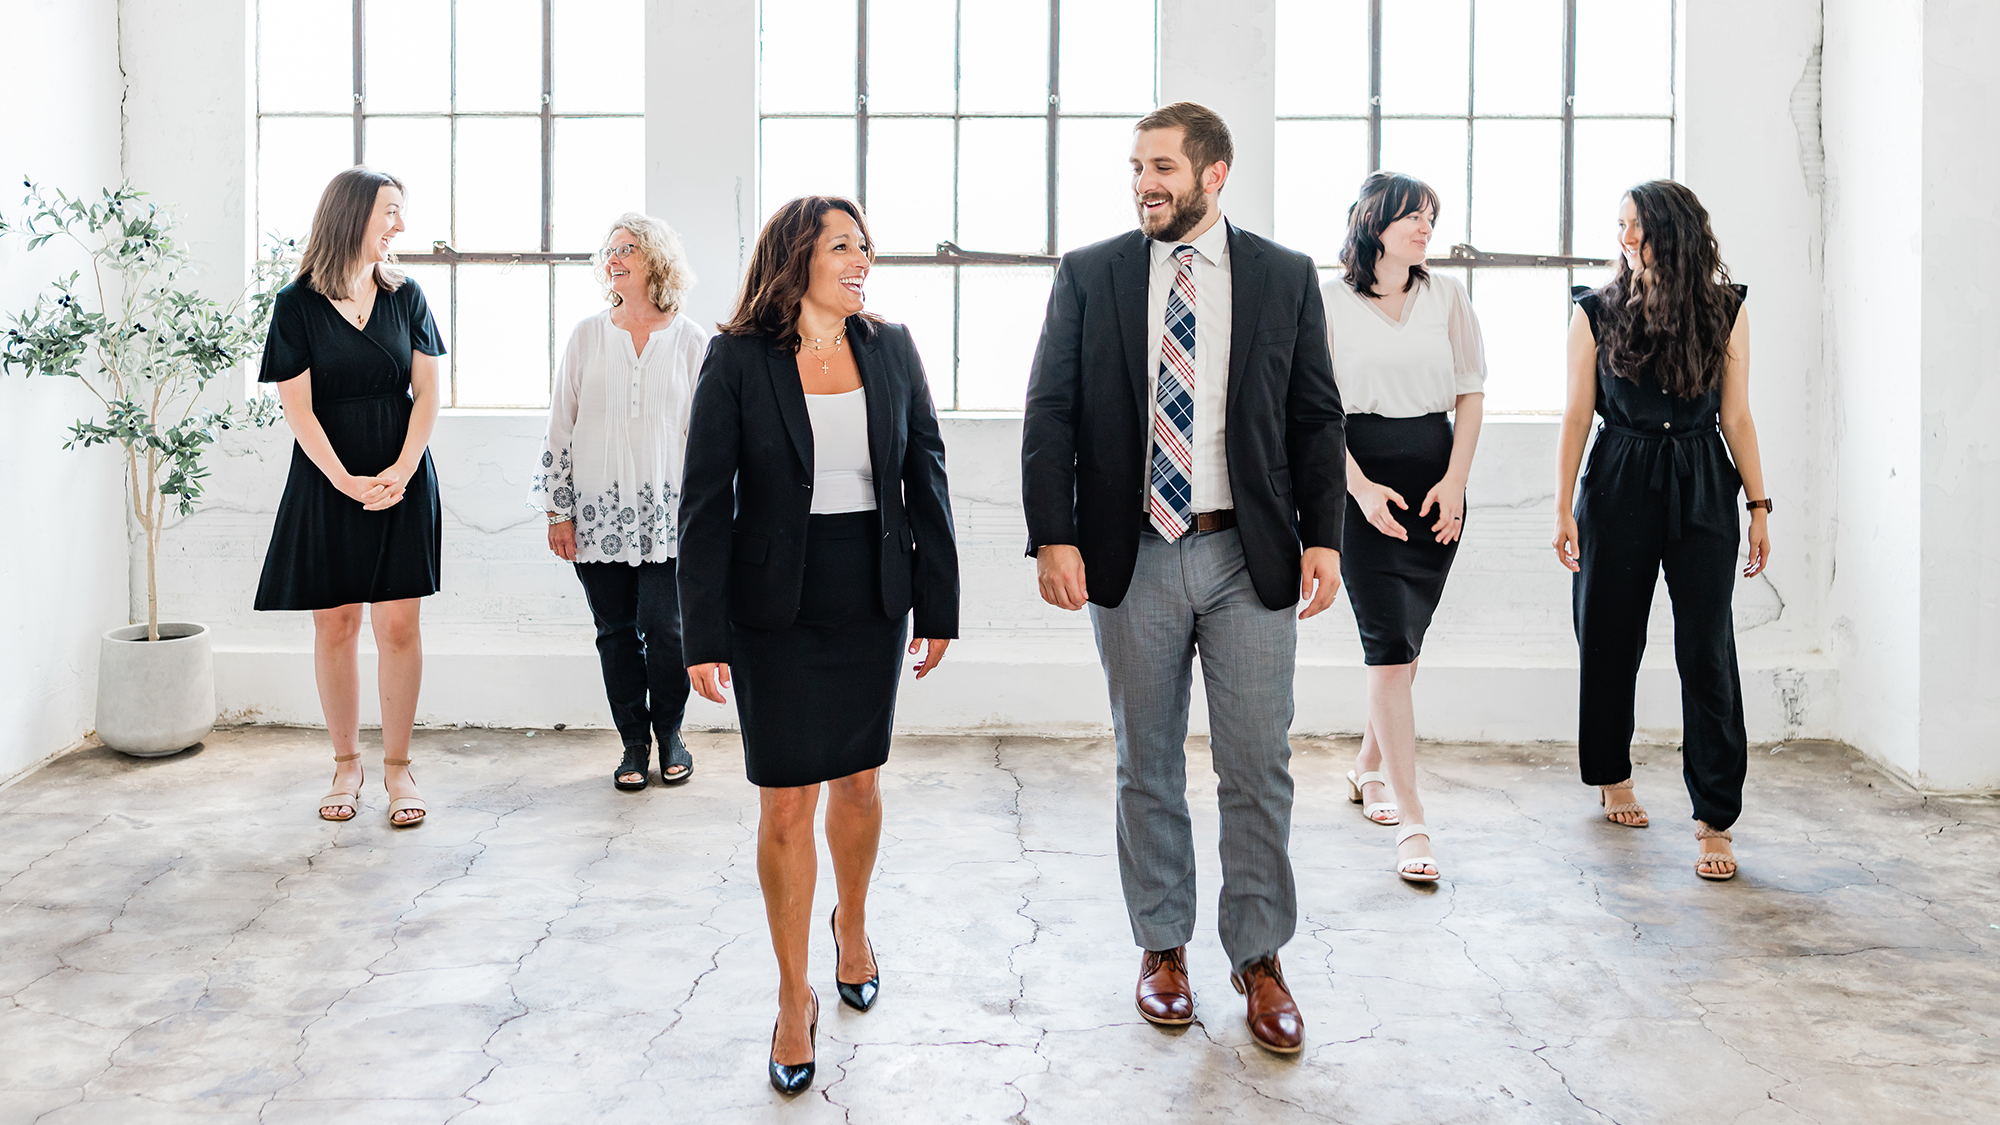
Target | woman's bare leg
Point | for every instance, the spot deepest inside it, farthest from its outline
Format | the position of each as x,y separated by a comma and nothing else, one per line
399,675
1392,713
787,869
854,835
336,670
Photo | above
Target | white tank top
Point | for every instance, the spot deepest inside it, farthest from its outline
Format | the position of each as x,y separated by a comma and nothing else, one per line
843,473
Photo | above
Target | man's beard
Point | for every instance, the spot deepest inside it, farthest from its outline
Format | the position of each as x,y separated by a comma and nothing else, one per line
1184,213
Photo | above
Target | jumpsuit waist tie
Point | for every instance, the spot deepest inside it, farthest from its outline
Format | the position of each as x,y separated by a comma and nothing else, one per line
1671,461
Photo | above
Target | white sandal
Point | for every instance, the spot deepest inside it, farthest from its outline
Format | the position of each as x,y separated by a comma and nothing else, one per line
349,799
1372,777
1421,861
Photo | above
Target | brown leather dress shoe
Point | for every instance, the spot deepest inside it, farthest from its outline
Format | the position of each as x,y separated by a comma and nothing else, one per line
1165,996
1274,1020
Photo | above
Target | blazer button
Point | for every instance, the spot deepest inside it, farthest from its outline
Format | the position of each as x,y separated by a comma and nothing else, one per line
1666,425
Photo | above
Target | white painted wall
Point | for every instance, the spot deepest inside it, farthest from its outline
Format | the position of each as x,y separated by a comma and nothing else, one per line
64,573
1224,55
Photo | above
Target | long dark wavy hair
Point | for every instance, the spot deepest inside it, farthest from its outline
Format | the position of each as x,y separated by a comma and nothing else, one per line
1385,198
781,269
1671,319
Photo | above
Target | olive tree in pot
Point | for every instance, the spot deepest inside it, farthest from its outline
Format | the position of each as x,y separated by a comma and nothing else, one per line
146,344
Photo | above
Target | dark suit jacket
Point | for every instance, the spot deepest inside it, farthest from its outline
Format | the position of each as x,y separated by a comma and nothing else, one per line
749,484
1083,443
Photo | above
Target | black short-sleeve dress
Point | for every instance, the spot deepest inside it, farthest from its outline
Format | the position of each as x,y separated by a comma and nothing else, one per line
326,550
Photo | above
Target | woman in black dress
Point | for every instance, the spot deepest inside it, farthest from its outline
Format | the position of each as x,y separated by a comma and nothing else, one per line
354,351
814,519
1662,352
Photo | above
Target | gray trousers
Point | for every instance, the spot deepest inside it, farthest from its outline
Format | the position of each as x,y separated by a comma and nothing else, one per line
1188,597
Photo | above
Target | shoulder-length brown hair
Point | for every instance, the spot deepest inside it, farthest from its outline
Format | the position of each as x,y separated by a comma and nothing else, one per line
1673,318
1385,198
340,224
781,269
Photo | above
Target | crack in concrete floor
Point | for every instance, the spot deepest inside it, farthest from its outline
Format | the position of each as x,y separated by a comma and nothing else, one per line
555,950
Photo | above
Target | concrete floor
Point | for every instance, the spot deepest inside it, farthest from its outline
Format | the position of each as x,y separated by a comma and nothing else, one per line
184,940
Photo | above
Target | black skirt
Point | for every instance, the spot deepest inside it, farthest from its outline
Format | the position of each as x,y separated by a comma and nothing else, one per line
817,700
1394,585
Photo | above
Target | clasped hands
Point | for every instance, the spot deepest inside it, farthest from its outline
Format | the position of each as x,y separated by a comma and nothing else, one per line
1059,574
1448,495
383,490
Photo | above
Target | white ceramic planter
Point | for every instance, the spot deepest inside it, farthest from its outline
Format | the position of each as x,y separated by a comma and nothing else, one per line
155,697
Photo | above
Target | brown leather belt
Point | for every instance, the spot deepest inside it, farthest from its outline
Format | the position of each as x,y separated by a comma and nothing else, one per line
1215,521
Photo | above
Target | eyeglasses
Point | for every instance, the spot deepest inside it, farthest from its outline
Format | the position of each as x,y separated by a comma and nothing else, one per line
620,252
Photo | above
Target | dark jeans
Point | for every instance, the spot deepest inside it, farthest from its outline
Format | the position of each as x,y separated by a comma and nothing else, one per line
638,613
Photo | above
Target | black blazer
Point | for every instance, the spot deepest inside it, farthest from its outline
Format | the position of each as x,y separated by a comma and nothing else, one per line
1083,443
749,479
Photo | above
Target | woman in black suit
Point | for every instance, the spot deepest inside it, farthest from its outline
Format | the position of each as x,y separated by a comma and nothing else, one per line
814,519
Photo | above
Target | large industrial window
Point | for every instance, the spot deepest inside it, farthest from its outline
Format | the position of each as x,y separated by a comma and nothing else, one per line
982,139
1529,117
517,126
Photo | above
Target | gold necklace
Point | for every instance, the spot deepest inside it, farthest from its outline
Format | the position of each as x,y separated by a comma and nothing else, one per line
838,338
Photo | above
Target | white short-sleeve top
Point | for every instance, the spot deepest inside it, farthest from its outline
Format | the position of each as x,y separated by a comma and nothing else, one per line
1410,368
843,471
617,438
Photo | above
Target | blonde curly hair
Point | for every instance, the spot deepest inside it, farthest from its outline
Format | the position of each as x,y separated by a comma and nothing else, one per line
668,276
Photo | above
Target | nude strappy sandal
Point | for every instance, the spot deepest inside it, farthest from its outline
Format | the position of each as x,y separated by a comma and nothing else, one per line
349,799
400,804
1704,832
1372,812
1418,861
1612,812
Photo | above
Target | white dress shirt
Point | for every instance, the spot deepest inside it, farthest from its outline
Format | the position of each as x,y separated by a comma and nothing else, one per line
843,471
618,422
1410,368
1212,317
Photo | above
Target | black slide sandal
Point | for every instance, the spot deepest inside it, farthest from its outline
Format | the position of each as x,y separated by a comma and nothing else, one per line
676,755
634,762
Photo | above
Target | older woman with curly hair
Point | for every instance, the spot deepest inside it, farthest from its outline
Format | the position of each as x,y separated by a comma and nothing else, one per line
609,481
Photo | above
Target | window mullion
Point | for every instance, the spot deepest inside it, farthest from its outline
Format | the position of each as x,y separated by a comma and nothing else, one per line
1055,117
360,118
1567,246
861,103
1374,85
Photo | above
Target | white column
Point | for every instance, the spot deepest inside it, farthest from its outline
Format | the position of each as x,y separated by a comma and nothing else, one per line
701,138
1223,54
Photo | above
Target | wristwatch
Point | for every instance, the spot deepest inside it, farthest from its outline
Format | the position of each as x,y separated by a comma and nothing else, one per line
1756,504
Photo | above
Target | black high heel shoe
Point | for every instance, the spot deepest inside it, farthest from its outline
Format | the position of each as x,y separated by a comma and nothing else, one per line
792,1081
860,997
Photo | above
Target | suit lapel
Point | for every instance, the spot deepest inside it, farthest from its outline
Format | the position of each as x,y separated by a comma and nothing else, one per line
791,398
877,396
1130,275
1247,273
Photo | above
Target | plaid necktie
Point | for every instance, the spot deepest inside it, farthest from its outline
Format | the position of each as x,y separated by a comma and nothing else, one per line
1170,497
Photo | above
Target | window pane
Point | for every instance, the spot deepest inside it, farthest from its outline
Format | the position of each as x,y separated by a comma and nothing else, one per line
1093,181
408,55
920,297
911,46
1320,168
1002,189
1107,56
807,52
500,56
503,354
993,364
1323,57
805,157
304,58
1003,63
600,173
598,56
1517,57
499,187
1434,152
1425,55
1524,318
909,184
1611,156
1516,187
435,281
1624,56
296,156
578,295
417,151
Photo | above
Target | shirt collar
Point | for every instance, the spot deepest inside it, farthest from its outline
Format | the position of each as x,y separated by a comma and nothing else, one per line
1213,245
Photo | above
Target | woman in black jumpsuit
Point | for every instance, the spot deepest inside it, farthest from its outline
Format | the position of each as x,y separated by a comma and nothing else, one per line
1662,354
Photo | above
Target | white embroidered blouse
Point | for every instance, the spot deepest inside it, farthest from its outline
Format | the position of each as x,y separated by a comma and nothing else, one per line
1408,368
617,437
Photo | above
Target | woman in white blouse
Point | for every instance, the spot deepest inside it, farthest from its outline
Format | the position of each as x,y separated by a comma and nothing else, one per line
1406,350
609,481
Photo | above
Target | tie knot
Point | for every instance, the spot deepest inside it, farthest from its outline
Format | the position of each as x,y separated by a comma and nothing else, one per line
1185,253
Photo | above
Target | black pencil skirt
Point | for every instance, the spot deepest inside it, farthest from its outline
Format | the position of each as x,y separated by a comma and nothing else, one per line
817,700
1393,584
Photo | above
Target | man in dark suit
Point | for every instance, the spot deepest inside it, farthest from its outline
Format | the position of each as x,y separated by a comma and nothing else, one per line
1182,468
